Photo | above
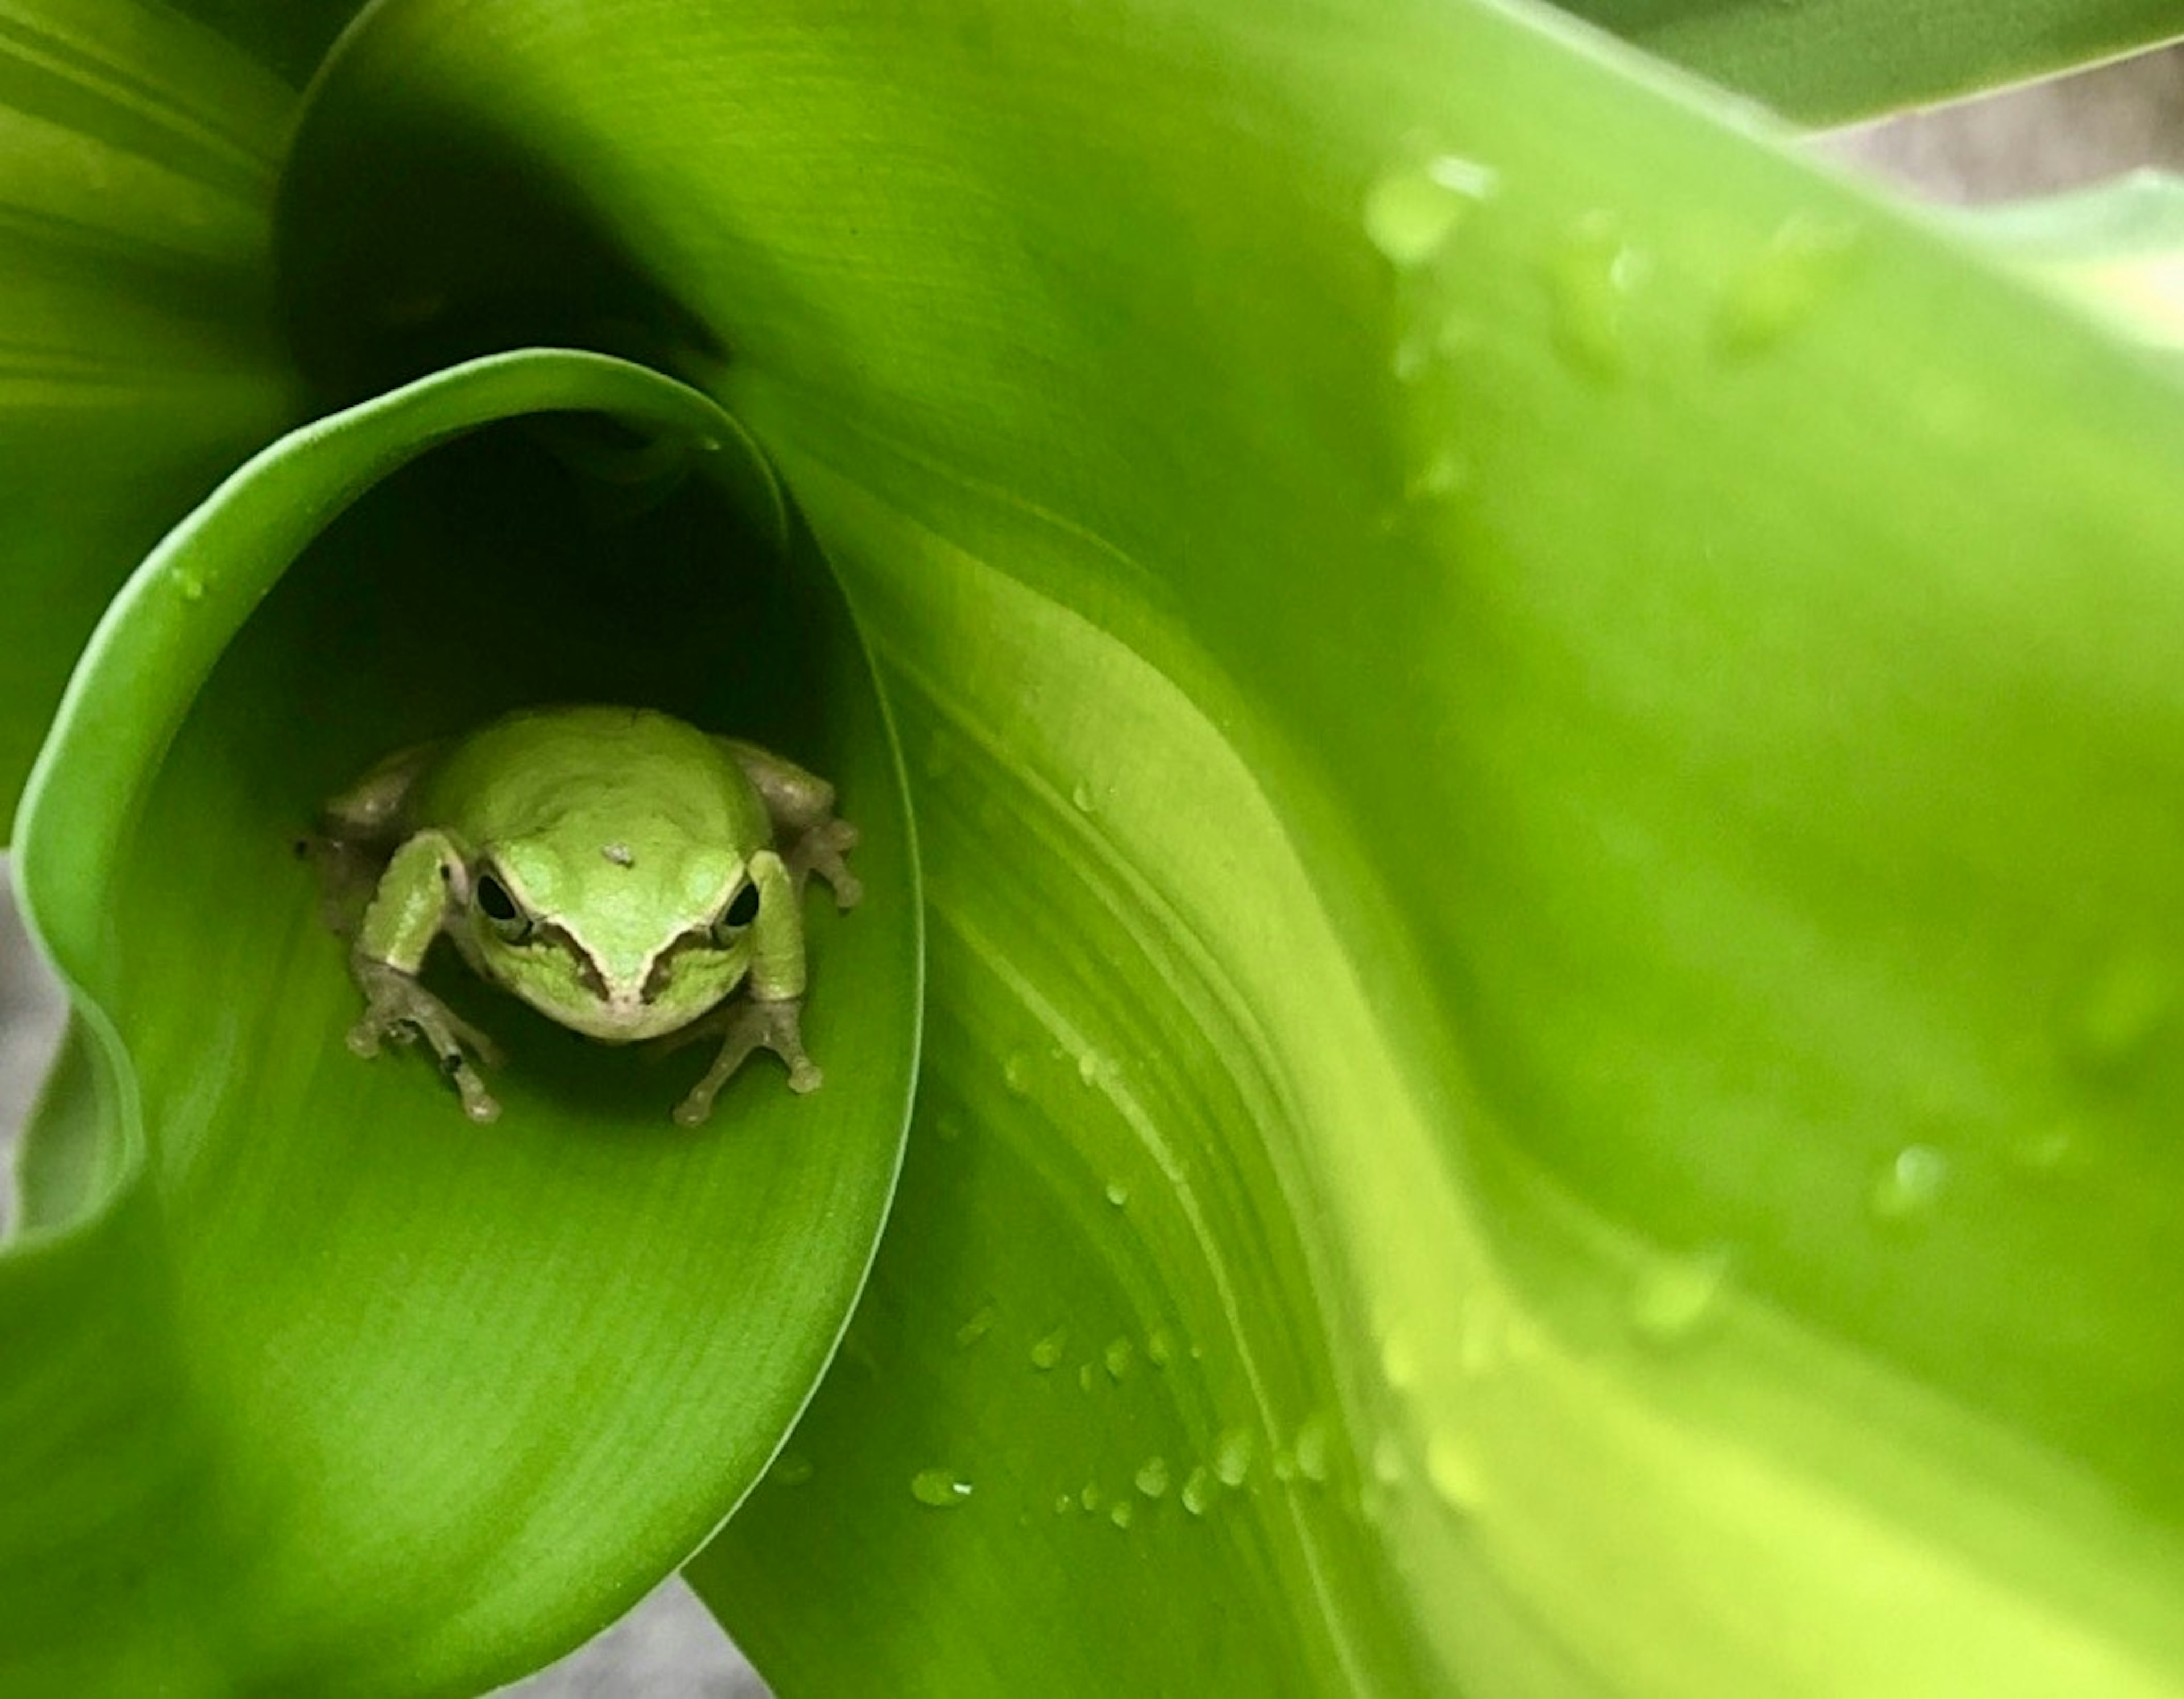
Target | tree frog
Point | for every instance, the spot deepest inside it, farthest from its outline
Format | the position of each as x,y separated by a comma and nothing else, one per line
620,871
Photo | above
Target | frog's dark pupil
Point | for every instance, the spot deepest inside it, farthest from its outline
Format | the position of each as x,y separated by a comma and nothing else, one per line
744,909
492,897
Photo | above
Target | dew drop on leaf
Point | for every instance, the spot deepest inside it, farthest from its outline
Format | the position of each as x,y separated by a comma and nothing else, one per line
976,1327
1122,1514
1412,209
1117,1194
1232,1456
1786,283
941,1488
1089,1497
1160,1348
1591,277
1197,1494
1119,1356
1311,1448
1080,798
1152,1476
1016,1073
1907,1187
1673,1296
1046,1350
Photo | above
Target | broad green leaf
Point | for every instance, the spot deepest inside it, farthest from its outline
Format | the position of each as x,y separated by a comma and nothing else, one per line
1550,740
1826,61
311,1384
137,359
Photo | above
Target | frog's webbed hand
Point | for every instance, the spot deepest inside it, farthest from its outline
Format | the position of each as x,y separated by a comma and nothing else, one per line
406,915
743,1026
801,806
400,1011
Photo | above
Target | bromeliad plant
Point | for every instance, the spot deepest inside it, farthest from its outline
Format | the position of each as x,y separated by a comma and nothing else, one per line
1536,991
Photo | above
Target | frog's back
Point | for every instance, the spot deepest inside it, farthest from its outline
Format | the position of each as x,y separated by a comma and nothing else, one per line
546,770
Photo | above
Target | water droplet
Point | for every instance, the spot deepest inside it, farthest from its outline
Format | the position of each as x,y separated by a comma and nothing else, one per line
1089,1497
709,445
1153,1477
1906,1191
1084,1377
1674,1295
1388,1466
1091,1067
1232,1455
791,1469
1785,285
1399,1361
1064,1504
979,1324
1081,798
1119,1356
1016,1073
1117,1194
1046,1350
1312,1449
1448,473
939,1488
1411,211
1592,276
191,587
1123,1513
1198,1490
1453,1472
1159,1349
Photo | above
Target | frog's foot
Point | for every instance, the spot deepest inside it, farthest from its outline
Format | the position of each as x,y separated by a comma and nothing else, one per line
749,1024
820,850
400,1011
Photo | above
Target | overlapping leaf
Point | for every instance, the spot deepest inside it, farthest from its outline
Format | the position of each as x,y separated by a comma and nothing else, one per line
311,1384
1544,740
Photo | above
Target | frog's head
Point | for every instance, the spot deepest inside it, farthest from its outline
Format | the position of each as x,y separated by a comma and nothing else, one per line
621,942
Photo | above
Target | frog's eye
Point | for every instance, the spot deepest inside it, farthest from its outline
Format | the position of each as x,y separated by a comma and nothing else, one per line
499,907
741,912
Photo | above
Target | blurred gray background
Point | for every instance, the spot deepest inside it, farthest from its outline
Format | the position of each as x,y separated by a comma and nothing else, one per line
2052,136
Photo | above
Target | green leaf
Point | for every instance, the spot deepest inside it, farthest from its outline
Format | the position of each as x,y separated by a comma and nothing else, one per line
1620,937
1827,61
314,1386
137,356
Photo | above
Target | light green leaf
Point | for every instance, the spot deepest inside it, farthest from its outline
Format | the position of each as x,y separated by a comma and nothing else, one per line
138,355
1826,61
1619,933
312,1385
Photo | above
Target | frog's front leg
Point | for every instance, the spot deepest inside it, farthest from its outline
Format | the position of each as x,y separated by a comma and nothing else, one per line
770,1014
801,806
406,914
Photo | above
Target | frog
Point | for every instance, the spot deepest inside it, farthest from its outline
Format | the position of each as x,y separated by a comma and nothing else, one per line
629,876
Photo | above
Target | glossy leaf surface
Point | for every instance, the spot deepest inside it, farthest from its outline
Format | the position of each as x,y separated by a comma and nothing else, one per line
1543,739
137,356
313,1385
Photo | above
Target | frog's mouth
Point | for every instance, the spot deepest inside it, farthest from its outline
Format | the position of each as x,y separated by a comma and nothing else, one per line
630,1006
